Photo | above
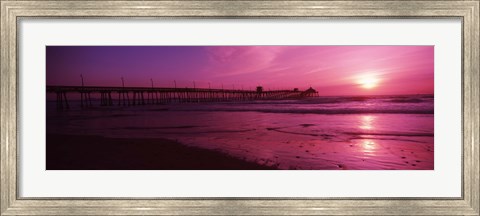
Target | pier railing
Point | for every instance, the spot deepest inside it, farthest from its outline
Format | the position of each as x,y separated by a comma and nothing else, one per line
131,96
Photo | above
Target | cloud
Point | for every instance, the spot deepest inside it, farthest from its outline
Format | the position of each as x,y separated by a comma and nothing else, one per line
238,60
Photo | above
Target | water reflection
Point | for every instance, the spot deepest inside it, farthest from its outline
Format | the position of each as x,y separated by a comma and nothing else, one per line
366,122
369,146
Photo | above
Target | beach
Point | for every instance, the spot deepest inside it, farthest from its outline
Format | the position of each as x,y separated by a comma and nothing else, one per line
73,152
326,133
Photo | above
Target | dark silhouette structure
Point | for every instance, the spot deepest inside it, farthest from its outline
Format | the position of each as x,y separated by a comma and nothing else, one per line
152,95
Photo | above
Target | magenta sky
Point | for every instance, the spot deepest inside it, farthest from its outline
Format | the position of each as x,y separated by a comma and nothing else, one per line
332,70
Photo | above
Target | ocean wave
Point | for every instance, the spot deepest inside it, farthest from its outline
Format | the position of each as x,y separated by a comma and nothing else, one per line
319,111
406,100
347,99
384,133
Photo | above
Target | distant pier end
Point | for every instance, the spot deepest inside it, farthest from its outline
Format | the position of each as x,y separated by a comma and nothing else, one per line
310,92
131,96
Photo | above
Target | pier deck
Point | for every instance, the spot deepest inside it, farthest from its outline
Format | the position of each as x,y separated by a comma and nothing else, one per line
131,96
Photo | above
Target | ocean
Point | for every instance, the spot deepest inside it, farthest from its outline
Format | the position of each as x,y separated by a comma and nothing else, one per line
321,133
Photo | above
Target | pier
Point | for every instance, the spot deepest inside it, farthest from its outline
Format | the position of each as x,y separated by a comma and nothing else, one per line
133,96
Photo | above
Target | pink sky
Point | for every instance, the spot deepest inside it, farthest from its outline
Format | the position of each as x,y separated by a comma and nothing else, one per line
332,70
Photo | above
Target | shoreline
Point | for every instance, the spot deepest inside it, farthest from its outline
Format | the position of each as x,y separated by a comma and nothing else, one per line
88,152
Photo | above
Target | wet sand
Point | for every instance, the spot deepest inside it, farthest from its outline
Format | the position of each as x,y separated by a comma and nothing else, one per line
77,152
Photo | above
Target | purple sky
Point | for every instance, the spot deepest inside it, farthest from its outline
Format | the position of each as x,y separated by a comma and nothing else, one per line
332,70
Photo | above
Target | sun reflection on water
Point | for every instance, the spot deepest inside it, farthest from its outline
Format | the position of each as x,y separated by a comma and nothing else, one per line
366,122
369,145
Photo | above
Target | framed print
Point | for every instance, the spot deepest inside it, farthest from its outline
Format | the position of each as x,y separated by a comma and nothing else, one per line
244,107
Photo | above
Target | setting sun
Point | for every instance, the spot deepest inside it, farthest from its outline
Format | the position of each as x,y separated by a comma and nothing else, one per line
368,81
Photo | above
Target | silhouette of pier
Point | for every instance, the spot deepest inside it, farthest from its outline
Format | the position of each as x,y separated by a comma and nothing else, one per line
132,96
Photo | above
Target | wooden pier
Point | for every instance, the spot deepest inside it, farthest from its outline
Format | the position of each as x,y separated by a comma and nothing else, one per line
132,96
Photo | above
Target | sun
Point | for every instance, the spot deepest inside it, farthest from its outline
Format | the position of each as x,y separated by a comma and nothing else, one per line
368,81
